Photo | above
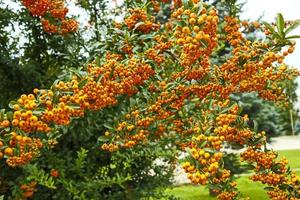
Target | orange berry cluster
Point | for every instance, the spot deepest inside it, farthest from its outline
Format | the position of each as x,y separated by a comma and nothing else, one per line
28,189
57,10
156,4
278,194
234,36
27,149
198,38
227,195
24,116
227,128
41,111
195,176
264,160
269,178
258,67
164,116
156,53
209,165
138,20
273,173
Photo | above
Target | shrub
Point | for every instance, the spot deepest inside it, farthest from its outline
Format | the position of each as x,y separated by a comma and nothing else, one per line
157,95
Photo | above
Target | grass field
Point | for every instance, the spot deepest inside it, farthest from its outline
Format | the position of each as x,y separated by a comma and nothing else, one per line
246,187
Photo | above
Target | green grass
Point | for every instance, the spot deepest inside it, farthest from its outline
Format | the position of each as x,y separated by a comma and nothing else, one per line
246,187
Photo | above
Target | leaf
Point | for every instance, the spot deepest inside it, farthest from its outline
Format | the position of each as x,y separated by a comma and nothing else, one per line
108,126
102,139
276,167
255,125
82,83
38,111
269,188
271,29
11,104
293,37
249,167
145,37
9,115
185,3
259,141
280,25
39,175
80,161
214,187
292,27
203,143
285,186
138,25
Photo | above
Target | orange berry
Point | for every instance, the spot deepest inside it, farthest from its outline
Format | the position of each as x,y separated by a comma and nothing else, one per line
6,123
192,21
27,194
206,155
15,122
196,29
193,15
31,97
8,151
35,90
23,97
16,107
54,173
33,118
19,137
186,29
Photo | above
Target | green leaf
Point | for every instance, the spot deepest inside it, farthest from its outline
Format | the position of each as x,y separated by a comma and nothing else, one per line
11,104
269,26
80,161
276,167
293,37
280,25
255,125
108,126
269,188
102,139
82,83
271,29
249,167
39,175
292,27
38,111
259,141
9,115
285,186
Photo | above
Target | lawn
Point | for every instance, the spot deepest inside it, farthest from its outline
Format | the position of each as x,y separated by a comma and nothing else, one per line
247,187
